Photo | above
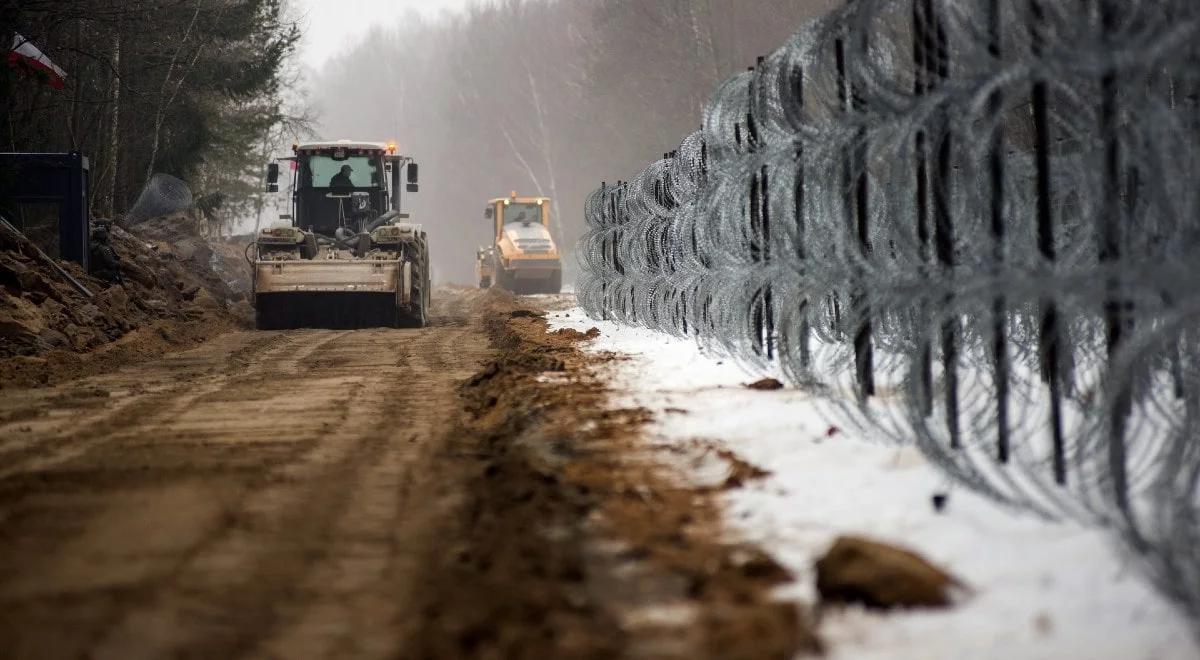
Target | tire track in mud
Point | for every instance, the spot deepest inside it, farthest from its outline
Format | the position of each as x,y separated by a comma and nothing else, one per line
44,431
304,433
316,494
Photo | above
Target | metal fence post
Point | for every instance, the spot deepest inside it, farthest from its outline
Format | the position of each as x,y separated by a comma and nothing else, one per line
1110,234
798,216
1049,332
944,230
922,72
856,201
996,174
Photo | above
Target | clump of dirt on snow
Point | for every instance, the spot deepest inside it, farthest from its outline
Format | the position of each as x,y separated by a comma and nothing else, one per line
172,281
858,570
572,333
766,385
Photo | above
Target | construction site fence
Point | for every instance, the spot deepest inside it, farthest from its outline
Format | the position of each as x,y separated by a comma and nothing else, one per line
974,226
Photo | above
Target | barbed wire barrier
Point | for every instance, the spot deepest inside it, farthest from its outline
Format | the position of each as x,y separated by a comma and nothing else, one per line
980,219
162,195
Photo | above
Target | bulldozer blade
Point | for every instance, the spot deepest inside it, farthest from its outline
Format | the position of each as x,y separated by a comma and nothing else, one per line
327,310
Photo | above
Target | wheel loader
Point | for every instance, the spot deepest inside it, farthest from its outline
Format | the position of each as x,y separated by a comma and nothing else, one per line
523,256
347,256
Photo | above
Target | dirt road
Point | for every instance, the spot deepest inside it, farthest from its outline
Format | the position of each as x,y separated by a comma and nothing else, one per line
457,491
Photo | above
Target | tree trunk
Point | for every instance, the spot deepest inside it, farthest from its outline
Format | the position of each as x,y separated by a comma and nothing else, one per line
164,101
114,129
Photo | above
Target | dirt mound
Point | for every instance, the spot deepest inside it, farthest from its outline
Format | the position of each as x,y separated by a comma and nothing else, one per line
572,333
219,264
557,462
172,283
857,570
766,385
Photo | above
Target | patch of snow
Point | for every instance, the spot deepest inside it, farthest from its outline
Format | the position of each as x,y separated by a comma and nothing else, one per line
1040,589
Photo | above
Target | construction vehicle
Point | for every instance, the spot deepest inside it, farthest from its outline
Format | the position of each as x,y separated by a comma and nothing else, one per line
485,266
348,257
523,256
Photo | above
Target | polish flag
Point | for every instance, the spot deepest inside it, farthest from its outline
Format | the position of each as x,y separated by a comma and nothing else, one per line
26,58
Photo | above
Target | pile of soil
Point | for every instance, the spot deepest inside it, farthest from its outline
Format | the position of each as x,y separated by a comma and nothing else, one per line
174,288
575,538
882,576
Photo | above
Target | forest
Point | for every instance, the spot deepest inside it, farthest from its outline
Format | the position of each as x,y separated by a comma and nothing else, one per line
189,88
545,97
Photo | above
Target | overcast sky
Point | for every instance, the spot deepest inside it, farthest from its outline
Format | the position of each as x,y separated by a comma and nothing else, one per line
329,23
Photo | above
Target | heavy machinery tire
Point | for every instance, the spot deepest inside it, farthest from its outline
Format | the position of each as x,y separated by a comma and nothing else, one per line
505,280
485,282
416,316
428,277
554,284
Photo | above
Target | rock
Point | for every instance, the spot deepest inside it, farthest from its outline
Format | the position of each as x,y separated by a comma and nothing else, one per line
51,308
51,338
154,305
139,273
858,570
11,265
766,385
31,280
80,338
206,300
115,297
21,321
185,250
11,270
19,331
87,314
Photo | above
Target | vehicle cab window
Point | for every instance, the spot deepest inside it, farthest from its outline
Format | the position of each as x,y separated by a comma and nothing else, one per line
320,172
522,213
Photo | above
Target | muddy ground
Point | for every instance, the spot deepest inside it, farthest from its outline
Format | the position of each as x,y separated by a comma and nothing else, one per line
464,490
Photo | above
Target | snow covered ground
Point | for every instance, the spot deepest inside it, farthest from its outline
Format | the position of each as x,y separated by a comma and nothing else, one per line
1040,589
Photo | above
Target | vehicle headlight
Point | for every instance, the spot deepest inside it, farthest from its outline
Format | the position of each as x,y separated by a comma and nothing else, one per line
281,236
387,235
392,234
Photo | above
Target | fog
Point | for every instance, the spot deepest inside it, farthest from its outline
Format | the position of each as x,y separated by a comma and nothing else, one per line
330,26
541,97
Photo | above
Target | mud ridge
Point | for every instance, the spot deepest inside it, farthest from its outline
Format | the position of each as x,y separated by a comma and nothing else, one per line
576,543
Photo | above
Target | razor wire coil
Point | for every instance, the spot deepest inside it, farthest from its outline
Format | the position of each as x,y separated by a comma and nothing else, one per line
976,218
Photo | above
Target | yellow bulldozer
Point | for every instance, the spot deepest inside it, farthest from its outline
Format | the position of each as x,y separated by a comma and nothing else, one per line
522,257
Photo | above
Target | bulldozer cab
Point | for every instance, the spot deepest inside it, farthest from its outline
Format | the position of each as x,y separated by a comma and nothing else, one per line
344,184
516,211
